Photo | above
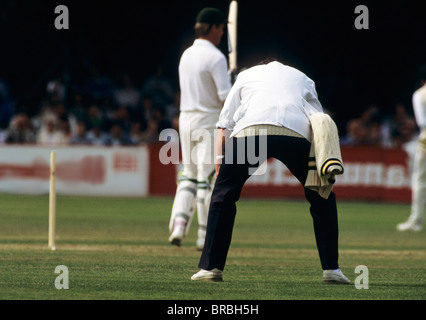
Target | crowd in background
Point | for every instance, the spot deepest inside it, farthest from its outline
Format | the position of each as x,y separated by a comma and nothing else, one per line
372,128
103,111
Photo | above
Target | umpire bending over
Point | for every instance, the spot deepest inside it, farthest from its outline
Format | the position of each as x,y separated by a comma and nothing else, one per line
279,100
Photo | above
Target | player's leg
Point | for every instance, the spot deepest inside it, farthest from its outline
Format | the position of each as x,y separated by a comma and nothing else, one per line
324,215
418,201
184,202
183,209
222,211
421,192
294,153
205,174
204,191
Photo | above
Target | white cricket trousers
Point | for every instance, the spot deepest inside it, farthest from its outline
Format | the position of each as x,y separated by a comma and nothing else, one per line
419,182
197,139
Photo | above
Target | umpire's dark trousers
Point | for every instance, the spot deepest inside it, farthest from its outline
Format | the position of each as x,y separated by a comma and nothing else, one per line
294,153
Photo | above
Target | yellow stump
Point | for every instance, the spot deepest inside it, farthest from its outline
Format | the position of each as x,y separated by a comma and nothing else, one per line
52,201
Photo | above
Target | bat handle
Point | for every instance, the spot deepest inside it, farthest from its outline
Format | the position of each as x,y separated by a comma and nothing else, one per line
232,76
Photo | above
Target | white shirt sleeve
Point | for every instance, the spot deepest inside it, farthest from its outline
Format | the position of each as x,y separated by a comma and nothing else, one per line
220,76
232,103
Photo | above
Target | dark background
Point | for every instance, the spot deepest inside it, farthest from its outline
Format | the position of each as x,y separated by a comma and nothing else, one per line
352,68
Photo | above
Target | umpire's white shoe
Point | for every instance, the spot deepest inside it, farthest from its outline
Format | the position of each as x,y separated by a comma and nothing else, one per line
177,235
208,275
334,277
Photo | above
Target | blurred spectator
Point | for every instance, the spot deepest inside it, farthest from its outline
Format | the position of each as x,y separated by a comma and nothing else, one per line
45,109
96,136
175,123
60,111
147,106
117,137
356,134
159,88
20,130
174,126
95,118
372,121
77,108
159,115
400,113
404,133
136,134
402,127
63,121
172,109
151,133
49,133
122,117
80,136
375,134
56,91
368,114
127,95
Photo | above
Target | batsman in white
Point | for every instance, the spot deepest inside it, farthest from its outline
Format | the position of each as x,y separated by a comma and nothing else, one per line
418,202
204,84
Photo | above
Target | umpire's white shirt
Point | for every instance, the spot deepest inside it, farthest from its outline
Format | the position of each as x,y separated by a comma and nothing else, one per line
273,94
203,78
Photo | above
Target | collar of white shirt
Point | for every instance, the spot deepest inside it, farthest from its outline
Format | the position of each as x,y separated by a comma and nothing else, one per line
203,42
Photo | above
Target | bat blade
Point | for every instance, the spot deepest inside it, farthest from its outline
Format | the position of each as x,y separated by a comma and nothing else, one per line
232,35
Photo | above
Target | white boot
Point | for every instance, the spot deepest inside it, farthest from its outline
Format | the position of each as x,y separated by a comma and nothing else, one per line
334,277
409,226
178,233
208,275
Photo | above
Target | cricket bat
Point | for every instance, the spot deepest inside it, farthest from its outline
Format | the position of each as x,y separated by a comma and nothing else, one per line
232,39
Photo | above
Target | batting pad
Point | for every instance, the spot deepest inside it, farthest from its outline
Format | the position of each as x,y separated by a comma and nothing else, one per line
184,203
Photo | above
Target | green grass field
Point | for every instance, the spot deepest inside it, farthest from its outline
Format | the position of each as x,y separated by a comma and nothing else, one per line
117,249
